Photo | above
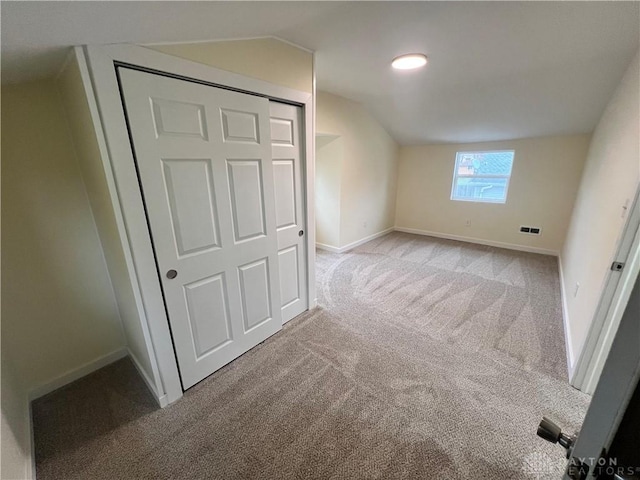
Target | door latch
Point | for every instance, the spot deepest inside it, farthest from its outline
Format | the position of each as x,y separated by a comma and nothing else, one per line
617,266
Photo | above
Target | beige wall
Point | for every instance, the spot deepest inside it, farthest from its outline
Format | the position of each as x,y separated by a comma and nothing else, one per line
611,177
15,431
266,59
58,307
369,167
74,99
544,181
91,167
329,159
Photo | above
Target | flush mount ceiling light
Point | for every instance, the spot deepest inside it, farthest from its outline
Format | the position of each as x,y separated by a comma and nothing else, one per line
409,61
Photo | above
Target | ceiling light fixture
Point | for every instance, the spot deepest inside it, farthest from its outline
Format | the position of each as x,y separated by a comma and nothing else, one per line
409,61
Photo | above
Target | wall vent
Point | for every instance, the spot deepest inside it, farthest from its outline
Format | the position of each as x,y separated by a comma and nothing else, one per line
530,230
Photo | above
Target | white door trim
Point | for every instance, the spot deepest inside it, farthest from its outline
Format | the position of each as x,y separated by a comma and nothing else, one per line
613,300
613,318
124,188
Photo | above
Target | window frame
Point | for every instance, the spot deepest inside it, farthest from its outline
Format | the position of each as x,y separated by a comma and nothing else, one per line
481,200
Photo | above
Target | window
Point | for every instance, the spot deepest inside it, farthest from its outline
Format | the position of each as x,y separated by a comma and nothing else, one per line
482,176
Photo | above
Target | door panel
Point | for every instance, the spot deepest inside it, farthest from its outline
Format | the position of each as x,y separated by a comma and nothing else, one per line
191,197
282,130
208,313
288,259
284,176
240,126
286,150
205,167
254,287
245,184
178,118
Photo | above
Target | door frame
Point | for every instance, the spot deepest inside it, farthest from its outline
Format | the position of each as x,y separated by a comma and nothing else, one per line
613,299
613,392
126,196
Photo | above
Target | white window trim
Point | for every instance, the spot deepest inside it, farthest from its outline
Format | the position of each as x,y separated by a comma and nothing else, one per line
456,176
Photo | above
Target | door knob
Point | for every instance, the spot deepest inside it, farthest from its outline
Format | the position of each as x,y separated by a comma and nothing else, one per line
171,274
552,433
301,233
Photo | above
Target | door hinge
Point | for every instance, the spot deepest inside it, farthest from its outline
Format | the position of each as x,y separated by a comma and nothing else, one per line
617,266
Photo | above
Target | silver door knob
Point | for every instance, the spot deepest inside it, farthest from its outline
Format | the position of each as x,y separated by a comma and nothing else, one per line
171,274
301,233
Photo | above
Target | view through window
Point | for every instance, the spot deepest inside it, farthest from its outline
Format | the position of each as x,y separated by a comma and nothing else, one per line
482,176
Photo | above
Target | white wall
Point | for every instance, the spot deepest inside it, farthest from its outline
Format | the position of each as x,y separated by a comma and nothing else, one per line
369,167
544,181
611,177
267,59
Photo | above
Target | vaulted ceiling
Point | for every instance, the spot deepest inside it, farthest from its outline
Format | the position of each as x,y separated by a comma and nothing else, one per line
497,70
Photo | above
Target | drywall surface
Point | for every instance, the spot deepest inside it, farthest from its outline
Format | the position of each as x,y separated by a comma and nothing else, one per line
16,455
543,186
368,173
610,180
81,125
58,307
266,59
329,158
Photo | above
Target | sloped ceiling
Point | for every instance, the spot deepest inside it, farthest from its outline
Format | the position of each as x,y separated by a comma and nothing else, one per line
497,70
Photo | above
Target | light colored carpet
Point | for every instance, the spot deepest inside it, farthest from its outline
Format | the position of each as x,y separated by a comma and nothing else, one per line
426,359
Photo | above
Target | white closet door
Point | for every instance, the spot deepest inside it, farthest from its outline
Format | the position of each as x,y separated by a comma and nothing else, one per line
287,151
204,162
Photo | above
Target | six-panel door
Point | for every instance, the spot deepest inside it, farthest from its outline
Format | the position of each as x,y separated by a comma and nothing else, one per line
204,159
286,149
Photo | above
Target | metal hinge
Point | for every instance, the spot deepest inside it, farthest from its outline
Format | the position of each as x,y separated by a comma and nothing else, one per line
617,266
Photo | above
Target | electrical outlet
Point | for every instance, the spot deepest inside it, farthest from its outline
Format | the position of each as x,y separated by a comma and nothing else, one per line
575,293
530,230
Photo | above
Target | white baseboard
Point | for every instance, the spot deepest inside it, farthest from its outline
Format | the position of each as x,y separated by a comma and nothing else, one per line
161,399
61,381
357,243
565,321
328,248
491,243
31,454
77,373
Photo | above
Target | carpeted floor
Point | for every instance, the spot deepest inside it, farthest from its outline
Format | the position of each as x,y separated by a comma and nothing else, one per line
427,359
